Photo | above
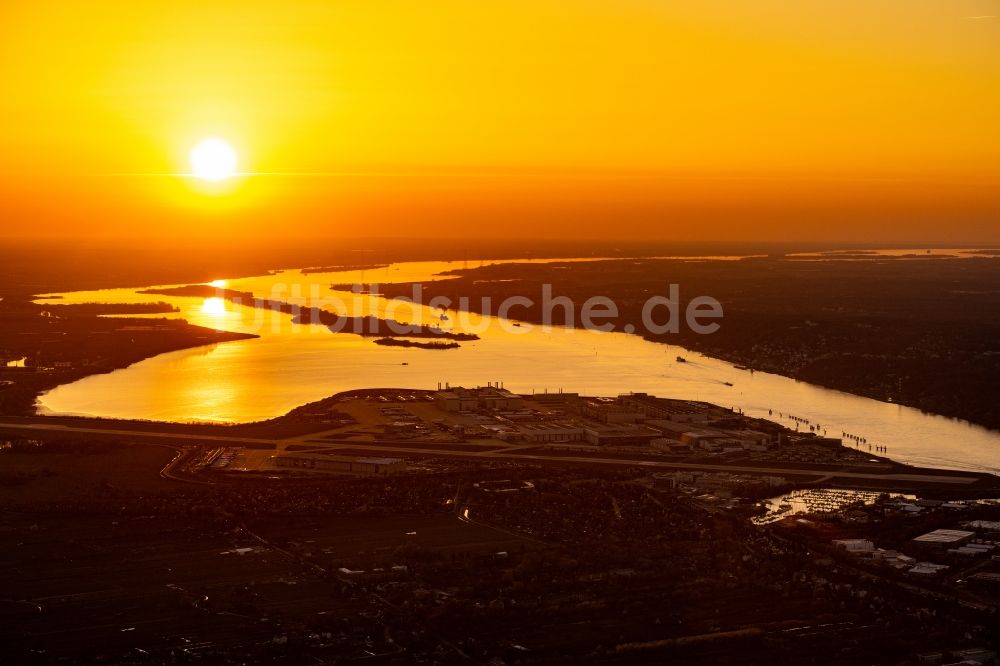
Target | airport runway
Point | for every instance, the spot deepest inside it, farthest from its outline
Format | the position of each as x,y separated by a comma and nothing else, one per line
510,454
57,429
507,453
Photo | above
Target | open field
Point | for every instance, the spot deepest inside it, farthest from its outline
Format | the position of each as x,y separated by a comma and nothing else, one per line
135,586
363,543
43,476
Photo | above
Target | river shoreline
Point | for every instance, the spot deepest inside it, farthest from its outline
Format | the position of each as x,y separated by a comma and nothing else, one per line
314,362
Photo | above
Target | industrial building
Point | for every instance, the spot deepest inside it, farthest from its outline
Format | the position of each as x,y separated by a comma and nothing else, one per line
459,399
620,435
536,432
944,538
558,397
711,439
855,545
682,411
610,410
927,569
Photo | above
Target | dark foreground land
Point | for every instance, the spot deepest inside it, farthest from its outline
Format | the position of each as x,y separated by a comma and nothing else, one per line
118,544
106,561
919,332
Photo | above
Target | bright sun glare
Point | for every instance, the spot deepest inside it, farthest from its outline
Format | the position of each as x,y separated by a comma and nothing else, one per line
214,306
213,159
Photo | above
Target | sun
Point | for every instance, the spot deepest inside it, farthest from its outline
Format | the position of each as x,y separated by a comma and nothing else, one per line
213,159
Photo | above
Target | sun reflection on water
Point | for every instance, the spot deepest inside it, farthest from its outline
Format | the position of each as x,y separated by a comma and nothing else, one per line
214,306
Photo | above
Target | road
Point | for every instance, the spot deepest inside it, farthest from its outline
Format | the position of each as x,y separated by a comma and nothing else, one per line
57,429
507,453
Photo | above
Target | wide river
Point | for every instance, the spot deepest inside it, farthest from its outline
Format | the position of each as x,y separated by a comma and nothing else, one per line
291,364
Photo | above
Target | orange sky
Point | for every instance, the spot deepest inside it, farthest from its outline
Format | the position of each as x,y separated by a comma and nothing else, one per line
687,119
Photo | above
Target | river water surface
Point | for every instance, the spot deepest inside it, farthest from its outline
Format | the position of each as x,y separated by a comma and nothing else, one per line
291,364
